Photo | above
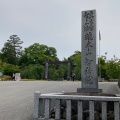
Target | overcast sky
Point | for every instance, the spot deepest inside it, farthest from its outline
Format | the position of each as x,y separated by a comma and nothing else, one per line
57,23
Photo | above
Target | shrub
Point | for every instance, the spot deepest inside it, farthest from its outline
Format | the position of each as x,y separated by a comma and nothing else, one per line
5,78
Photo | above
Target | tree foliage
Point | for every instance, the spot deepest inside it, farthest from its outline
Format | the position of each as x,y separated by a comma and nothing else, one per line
112,69
30,62
7,53
57,72
76,67
8,69
33,72
11,51
109,69
37,54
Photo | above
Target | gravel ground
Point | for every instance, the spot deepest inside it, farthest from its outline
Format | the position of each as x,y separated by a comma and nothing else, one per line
16,97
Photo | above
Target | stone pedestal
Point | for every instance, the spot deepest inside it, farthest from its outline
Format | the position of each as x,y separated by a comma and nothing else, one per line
89,90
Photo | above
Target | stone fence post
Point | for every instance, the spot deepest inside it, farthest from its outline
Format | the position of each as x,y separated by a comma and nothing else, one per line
36,105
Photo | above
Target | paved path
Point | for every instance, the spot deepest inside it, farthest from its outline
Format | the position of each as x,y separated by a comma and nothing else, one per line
16,98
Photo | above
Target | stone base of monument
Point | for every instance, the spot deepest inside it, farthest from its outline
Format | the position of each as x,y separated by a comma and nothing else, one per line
89,90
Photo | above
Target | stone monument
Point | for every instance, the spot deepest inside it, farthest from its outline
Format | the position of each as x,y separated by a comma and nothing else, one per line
89,75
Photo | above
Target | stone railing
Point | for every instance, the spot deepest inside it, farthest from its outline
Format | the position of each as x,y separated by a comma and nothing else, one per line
44,102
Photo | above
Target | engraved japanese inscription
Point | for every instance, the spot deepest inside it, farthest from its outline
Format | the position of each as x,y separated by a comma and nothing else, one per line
89,67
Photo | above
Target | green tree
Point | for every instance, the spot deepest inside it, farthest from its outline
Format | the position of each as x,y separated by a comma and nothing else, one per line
11,51
112,69
33,72
63,71
102,68
8,69
37,54
76,67
7,53
1,65
57,72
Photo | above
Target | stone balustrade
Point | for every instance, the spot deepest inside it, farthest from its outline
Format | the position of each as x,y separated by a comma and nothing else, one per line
44,102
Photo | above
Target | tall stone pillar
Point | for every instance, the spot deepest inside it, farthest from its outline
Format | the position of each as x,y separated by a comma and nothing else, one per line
89,75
